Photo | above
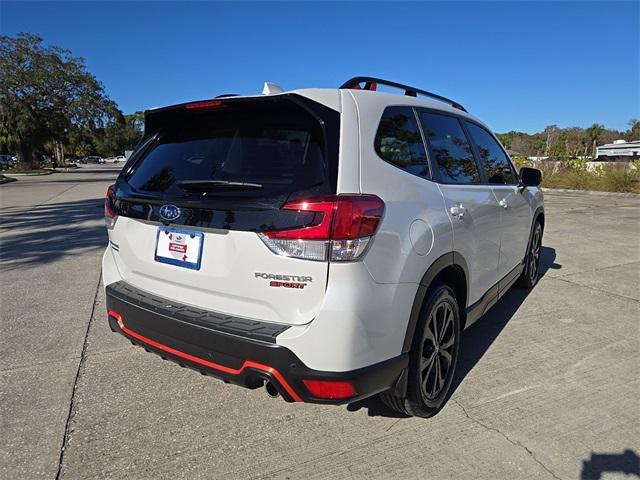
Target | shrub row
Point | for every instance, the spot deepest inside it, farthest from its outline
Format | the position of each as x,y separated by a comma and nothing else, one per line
580,175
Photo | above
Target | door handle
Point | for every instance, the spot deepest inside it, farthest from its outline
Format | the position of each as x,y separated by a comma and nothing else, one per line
503,203
458,211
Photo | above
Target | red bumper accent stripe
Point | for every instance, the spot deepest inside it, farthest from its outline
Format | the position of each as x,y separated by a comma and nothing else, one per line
207,363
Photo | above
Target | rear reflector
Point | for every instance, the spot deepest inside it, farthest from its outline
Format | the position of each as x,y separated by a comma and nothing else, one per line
110,215
331,390
341,230
202,105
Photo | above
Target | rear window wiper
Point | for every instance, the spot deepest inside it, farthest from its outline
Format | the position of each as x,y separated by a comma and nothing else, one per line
216,185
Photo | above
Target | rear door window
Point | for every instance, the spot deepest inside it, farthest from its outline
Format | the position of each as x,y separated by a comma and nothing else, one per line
449,148
493,159
399,142
276,148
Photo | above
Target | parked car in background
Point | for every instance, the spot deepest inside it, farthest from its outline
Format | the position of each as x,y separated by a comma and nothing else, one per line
118,159
7,161
46,161
329,244
91,159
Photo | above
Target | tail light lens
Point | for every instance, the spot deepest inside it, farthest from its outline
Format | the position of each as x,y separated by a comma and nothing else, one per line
110,215
341,232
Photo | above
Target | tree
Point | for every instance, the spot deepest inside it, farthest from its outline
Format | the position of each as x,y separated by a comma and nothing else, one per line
522,145
519,142
120,135
80,143
551,137
45,93
574,139
594,132
634,130
570,142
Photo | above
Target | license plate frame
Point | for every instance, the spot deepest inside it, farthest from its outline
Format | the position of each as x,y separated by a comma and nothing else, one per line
170,253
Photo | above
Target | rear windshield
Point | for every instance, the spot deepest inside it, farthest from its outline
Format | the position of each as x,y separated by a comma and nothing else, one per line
278,146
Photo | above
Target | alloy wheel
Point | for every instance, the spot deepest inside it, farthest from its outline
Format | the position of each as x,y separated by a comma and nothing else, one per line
437,350
534,255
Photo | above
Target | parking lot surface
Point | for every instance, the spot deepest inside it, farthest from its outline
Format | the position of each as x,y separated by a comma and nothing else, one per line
547,385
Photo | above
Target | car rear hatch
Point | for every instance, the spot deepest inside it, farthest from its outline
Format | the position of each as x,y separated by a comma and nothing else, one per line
196,202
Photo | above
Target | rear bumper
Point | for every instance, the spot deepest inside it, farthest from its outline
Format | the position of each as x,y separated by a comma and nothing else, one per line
243,355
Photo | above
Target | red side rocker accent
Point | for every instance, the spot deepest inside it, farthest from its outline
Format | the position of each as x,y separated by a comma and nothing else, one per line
206,363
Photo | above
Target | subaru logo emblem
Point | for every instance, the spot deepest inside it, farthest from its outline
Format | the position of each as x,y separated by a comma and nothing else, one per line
169,212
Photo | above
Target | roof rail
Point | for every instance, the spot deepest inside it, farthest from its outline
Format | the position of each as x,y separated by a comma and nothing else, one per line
371,83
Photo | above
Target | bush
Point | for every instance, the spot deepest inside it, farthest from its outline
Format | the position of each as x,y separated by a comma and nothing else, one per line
619,178
522,162
571,174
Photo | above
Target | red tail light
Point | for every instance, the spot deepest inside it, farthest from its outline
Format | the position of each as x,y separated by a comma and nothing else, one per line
110,215
343,226
330,389
340,217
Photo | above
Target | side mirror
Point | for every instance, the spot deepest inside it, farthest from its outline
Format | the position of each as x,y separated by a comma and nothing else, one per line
530,177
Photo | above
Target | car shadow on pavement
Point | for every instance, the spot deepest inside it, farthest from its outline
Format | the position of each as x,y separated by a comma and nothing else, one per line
476,340
626,462
46,233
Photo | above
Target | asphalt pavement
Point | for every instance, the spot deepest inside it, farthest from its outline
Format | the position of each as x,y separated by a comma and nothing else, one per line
547,385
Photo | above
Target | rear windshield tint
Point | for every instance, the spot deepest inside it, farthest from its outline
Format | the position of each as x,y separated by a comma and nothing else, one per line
277,145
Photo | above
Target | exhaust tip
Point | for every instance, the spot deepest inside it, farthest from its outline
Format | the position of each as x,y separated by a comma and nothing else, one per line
271,389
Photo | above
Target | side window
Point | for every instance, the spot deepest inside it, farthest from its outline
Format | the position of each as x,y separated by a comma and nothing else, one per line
492,158
449,148
398,141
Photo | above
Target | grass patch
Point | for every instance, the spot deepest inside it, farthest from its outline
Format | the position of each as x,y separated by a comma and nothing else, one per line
620,180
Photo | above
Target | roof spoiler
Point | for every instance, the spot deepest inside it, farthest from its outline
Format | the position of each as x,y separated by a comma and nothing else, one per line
371,83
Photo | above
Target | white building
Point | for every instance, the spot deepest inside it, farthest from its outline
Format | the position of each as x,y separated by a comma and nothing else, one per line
619,150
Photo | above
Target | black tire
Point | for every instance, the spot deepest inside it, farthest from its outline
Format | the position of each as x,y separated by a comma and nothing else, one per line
529,276
435,347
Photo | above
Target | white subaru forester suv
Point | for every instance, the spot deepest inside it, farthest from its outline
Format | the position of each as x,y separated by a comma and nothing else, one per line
328,244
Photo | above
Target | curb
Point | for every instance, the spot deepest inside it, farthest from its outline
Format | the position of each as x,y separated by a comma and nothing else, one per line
14,175
592,192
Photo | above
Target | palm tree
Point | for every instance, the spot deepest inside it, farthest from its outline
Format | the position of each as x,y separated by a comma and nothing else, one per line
594,132
634,130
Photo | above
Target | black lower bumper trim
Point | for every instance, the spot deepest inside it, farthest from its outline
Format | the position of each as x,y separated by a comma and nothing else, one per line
214,320
236,359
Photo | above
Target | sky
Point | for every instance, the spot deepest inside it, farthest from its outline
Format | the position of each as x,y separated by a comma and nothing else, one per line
515,65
